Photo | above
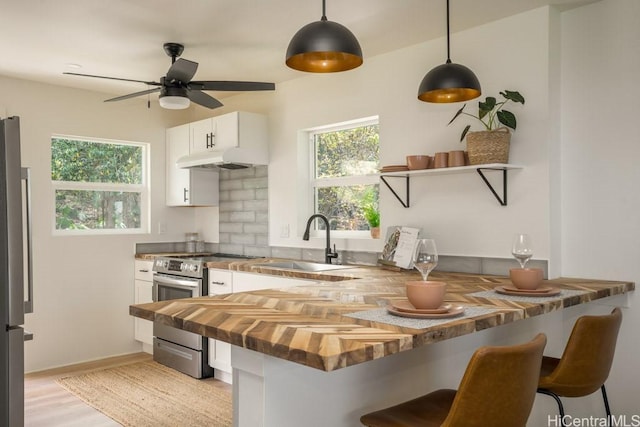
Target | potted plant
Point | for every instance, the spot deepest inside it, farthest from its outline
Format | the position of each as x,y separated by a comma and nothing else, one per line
492,144
371,213
372,216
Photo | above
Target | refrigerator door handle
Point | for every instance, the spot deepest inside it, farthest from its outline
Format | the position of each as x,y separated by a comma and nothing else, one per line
26,176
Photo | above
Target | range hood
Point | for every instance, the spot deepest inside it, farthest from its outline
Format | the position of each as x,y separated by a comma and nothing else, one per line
229,158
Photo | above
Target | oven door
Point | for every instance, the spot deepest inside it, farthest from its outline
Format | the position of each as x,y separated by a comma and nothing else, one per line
172,287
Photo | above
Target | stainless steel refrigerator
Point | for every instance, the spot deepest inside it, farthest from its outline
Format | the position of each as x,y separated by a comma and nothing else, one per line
15,272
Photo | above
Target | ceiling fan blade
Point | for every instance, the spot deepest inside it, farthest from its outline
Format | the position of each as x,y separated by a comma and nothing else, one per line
182,70
113,78
231,85
203,99
133,95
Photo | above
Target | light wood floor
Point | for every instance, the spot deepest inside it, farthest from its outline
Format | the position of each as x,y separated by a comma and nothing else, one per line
49,405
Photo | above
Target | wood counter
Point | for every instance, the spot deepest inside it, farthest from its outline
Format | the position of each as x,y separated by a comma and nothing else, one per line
311,325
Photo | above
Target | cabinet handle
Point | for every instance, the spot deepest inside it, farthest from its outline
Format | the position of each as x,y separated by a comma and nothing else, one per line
213,282
186,199
213,139
208,138
144,271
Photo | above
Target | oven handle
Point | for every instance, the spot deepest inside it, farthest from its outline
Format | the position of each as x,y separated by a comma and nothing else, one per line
177,283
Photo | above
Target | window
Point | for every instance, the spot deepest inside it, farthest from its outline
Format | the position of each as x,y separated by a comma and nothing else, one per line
344,157
100,186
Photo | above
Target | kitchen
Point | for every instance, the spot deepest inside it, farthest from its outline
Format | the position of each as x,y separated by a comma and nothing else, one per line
553,56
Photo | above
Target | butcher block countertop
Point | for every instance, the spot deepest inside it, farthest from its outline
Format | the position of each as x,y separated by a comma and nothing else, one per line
342,320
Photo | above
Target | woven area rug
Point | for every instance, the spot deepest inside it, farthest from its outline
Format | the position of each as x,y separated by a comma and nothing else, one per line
150,394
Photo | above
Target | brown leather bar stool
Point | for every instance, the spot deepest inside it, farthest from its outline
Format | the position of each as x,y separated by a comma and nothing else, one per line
497,390
585,362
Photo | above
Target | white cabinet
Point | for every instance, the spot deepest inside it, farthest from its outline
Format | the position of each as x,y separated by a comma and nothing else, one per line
143,285
187,187
224,282
243,282
202,135
220,282
237,129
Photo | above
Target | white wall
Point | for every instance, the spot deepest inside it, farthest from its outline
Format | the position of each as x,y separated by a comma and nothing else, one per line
457,210
599,170
576,194
84,285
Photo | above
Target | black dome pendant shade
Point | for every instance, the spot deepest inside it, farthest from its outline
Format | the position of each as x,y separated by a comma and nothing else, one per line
449,82
324,47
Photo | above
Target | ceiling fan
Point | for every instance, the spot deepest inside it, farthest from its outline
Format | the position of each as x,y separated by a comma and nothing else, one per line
177,89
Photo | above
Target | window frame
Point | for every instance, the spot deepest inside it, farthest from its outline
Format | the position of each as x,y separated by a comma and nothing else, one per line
143,188
347,181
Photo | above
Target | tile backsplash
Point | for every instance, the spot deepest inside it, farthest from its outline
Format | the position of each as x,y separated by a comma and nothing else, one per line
244,211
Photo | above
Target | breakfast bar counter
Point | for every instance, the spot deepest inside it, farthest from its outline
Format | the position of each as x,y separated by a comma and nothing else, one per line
349,354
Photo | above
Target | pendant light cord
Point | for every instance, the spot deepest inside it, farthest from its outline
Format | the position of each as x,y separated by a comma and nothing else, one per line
448,43
324,11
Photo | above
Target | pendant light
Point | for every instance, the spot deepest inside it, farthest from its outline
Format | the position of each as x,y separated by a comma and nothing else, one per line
324,47
449,82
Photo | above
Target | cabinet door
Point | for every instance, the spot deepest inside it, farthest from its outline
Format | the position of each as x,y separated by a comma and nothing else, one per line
188,187
243,282
177,190
143,329
226,133
144,270
202,135
220,282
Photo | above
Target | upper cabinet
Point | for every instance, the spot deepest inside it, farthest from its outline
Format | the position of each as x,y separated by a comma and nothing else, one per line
237,129
187,187
196,150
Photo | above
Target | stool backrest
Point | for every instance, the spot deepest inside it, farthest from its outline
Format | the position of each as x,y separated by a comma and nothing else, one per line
588,355
498,387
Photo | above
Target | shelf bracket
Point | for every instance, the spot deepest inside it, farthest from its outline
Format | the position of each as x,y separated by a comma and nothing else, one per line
402,202
502,200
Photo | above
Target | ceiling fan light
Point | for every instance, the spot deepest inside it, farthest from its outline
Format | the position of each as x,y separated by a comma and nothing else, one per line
324,47
174,102
174,98
449,83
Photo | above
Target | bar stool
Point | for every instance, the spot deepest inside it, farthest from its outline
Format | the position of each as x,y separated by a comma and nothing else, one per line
585,362
497,390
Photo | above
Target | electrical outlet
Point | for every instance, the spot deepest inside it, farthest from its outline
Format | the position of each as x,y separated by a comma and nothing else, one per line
162,227
284,231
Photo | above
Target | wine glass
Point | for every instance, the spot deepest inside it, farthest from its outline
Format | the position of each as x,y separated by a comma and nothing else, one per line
426,257
522,248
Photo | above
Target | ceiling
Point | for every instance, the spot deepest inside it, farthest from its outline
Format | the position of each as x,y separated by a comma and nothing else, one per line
230,39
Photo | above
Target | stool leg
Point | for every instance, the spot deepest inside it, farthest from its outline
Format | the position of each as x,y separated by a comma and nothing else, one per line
558,401
606,403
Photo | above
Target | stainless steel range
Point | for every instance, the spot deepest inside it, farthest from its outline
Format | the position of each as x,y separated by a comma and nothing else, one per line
175,278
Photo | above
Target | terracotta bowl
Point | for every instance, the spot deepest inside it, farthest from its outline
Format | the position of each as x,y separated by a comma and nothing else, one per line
426,295
526,278
417,162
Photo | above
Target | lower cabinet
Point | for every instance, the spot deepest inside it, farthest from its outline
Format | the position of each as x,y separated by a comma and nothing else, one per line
220,282
143,286
225,282
244,282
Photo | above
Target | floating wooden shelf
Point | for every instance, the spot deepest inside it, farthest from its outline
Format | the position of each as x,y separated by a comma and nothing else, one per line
480,169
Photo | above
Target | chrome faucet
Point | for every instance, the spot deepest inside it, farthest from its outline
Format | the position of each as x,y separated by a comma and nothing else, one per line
328,253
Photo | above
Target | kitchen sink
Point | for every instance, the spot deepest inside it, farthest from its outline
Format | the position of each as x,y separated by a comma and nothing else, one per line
303,266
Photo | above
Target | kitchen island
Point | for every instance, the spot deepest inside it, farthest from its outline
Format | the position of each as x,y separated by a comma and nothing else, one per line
326,353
